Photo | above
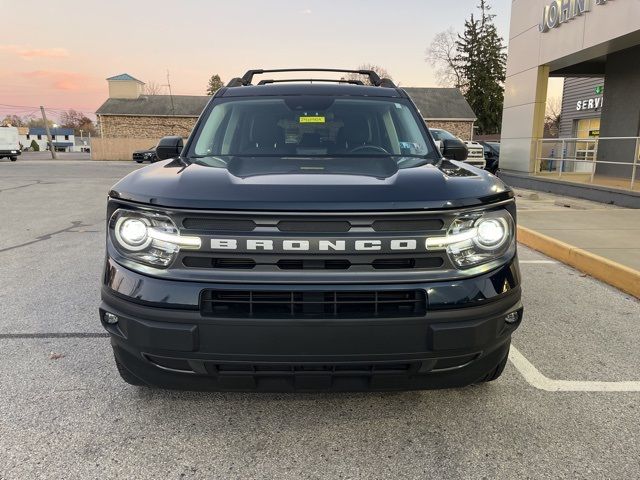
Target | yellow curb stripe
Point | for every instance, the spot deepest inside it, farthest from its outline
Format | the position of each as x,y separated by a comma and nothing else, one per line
608,271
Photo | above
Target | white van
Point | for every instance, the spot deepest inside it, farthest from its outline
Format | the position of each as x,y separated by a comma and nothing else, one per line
9,143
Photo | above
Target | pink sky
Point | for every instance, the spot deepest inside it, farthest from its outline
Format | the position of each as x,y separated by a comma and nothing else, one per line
58,54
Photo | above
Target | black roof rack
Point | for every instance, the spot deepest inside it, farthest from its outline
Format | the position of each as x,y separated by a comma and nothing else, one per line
247,78
288,80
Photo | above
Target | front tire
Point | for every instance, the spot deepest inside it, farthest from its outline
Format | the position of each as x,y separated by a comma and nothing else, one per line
127,376
13,159
496,371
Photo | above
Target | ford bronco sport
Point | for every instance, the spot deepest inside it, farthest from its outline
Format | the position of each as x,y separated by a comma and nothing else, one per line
310,236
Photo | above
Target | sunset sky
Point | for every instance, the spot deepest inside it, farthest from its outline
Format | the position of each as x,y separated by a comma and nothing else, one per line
58,54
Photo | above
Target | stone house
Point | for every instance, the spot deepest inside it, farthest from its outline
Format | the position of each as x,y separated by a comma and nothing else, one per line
445,108
129,113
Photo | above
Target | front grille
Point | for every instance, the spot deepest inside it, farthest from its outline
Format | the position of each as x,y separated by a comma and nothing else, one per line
313,264
301,226
239,223
219,224
410,225
432,262
224,263
313,304
425,263
312,227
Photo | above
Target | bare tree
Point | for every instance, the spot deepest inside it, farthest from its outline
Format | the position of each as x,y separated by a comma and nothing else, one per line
13,121
381,71
77,121
552,117
442,55
152,88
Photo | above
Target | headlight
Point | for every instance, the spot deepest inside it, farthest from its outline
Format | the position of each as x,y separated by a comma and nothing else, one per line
132,233
148,238
492,232
476,238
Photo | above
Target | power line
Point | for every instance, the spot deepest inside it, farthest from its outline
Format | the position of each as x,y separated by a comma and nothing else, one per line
55,110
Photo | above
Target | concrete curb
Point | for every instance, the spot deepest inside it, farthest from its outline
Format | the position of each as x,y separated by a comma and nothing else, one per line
608,271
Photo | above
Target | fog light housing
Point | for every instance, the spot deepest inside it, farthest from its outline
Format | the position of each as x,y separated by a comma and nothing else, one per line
512,318
110,318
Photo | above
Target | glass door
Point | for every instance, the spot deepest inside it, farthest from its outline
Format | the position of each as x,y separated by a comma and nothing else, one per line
589,129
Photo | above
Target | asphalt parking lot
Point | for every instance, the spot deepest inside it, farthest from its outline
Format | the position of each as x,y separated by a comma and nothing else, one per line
567,406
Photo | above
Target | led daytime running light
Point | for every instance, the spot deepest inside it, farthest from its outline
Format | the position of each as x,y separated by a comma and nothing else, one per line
176,239
441,243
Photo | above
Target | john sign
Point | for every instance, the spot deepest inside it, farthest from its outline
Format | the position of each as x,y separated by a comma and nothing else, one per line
561,11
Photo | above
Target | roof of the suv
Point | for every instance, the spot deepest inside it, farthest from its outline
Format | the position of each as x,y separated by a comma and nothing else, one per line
311,89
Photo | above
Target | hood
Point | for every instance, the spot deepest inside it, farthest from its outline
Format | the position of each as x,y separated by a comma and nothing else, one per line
181,185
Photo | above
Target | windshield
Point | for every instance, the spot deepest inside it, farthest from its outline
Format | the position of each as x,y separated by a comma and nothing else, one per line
442,135
311,126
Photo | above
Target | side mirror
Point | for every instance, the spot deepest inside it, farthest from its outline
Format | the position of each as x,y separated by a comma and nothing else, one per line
454,150
439,145
169,147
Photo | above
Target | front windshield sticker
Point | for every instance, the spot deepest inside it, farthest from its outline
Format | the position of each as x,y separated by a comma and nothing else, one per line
312,119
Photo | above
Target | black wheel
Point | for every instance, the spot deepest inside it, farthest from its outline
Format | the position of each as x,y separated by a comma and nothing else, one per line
13,159
495,372
127,376
138,161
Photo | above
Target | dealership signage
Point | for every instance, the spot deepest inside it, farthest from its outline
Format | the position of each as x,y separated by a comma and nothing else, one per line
561,11
589,104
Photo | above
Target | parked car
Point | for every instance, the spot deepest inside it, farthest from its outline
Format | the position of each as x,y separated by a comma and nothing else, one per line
9,143
310,236
475,156
491,155
148,155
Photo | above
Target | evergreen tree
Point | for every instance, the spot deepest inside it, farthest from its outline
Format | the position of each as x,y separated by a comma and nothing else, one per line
481,54
215,84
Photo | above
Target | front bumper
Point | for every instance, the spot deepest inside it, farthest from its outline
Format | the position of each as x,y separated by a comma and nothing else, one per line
162,338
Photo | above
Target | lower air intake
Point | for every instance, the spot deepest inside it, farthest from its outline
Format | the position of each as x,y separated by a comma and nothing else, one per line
313,304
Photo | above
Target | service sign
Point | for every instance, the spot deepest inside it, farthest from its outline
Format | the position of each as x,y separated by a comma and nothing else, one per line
589,104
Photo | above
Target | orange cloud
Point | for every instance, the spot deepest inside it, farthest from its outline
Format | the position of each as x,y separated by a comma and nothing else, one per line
60,80
28,53
44,52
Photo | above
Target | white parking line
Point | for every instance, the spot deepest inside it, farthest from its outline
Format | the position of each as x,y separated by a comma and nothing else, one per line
538,261
536,379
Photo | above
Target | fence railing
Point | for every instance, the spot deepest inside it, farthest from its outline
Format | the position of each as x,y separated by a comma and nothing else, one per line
577,159
119,148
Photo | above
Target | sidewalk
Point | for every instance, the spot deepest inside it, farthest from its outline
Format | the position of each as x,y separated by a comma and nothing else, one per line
604,230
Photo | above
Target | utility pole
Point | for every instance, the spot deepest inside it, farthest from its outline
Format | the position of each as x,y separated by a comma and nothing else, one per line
46,127
173,108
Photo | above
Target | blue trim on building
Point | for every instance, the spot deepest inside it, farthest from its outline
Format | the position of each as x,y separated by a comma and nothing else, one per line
124,76
54,131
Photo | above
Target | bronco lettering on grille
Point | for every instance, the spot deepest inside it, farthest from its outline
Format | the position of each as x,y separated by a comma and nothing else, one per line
300,245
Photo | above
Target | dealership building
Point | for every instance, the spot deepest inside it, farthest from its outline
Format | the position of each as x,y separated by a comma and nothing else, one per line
595,46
